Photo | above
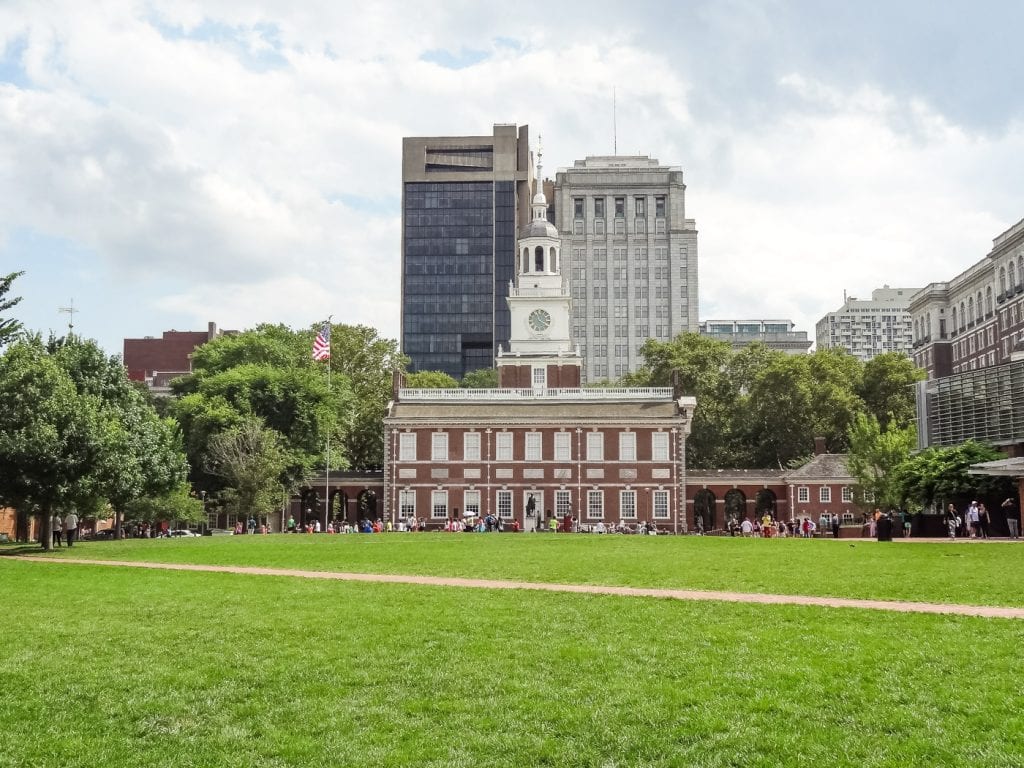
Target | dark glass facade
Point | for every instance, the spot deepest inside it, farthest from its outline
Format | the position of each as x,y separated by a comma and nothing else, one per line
986,405
459,258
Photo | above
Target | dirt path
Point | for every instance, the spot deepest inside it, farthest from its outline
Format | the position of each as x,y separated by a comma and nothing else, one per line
672,594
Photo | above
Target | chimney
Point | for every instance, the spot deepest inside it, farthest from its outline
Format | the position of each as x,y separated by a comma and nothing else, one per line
819,446
397,382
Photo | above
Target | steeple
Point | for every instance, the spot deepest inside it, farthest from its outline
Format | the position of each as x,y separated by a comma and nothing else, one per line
541,353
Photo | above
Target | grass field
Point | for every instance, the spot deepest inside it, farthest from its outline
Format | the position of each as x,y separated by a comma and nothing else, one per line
116,667
967,572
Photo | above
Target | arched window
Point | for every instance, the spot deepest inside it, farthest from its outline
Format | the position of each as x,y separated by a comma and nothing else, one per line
538,259
552,260
988,300
735,504
704,508
1002,279
1013,277
963,316
981,309
526,260
1020,266
954,318
970,310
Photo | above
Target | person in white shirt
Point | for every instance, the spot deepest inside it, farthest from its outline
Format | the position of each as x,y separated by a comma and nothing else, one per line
70,527
56,529
746,527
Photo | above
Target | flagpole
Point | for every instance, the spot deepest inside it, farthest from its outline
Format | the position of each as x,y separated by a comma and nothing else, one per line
327,492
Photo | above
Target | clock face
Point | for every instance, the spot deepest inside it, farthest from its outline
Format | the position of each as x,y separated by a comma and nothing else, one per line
539,320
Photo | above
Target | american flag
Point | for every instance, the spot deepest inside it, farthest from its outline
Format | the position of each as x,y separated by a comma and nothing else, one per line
322,343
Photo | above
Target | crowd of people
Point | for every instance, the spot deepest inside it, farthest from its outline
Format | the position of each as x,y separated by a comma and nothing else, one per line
767,526
976,522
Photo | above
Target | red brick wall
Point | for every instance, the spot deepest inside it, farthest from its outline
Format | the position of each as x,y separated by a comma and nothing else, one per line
169,353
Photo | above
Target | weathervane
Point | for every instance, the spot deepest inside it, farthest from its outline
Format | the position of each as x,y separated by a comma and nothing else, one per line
70,311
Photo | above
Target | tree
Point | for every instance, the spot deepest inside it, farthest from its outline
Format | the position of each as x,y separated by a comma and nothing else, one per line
874,455
798,398
887,388
254,464
430,380
178,504
362,367
268,373
142,452
369,362
937,476
482,378
51,437
9,327
697,365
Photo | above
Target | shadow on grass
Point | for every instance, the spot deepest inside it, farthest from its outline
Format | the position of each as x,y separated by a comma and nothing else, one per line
8,550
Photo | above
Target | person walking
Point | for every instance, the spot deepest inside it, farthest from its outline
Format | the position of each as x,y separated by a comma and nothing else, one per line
56,529
70,527
1009,508
971,518
952,521
835,526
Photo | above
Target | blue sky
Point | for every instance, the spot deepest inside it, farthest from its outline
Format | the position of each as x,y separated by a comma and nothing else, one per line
216,161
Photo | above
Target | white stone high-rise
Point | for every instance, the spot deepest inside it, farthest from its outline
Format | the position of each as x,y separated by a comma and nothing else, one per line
632,258
868,328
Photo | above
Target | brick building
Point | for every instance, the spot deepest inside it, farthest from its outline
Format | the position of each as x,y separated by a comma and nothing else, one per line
156,361
538,445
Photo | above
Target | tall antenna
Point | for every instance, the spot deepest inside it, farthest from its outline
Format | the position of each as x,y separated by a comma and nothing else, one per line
70,311
615,126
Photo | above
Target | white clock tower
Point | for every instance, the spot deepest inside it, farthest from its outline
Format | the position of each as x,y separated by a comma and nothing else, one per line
541,353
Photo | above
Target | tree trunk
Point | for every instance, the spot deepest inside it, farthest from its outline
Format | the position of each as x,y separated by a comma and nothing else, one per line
46,531
21,527
117,523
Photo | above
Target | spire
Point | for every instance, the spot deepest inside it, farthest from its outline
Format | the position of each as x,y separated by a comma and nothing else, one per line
540,154
540,203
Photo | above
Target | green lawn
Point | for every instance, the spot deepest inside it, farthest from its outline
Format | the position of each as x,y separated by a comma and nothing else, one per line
117,667
976,573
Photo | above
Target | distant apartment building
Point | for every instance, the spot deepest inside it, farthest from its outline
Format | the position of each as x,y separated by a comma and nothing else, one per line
776,334
867,328
156,361
463,199
632,258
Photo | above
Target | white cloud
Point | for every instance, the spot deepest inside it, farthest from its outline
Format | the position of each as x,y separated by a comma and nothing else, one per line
248,159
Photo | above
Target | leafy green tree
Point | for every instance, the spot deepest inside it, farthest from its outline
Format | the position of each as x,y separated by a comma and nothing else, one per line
482,378
874,455
937,476
51,437
887,388
369,363
142,452
254,464
798,398
430,380
268,373
698,365
177,505
9,327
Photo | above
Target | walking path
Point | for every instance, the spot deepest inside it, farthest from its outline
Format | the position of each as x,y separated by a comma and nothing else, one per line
672,594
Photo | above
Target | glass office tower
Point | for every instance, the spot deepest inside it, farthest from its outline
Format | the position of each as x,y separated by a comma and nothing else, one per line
461,199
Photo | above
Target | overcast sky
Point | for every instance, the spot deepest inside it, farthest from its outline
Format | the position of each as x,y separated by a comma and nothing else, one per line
168,164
